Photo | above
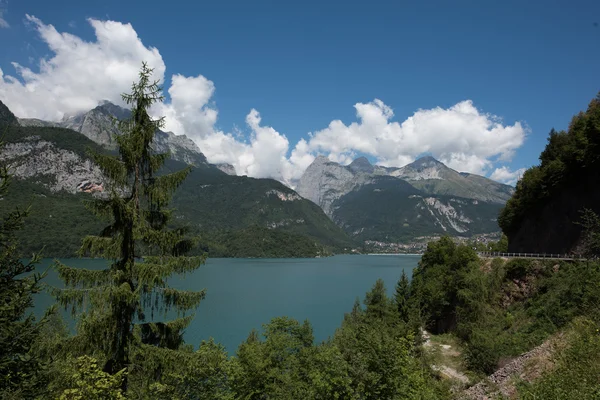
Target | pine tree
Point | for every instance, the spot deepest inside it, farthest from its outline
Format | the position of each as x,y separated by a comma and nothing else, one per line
401,297
18,327
377,302
144,253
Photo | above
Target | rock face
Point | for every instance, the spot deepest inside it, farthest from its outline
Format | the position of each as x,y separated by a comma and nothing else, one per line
6,116
432,176
324,182
227,168
424,197
57,169
98,125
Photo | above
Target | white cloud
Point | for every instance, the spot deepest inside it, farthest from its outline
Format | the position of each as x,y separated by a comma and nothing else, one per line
3,23
505,175
460,136
189,111
80,74
263,155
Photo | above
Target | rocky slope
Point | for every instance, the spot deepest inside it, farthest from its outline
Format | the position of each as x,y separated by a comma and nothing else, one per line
98,126
392,210
433,177
52,166
389,204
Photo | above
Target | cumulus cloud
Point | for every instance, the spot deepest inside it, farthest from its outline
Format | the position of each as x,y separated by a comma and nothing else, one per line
189,111
460,136
3,22
262,155
80,74
505,175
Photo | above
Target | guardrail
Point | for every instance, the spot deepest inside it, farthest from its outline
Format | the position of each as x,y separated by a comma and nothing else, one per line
488,254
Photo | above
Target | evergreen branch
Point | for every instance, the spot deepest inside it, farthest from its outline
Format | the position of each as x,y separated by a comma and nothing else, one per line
154,270
98,246
81,277
161,189
111,167
157,161
182,300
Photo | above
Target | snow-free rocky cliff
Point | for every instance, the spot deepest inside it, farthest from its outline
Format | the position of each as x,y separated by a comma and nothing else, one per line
420,198
57,169
98,126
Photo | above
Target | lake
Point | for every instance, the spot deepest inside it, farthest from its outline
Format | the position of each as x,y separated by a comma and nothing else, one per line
243,294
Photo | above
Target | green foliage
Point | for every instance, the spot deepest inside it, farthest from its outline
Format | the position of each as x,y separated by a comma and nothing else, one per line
57,221
87,381
259,242
590,221
385,211
183,374
401,297
371,356
576,373
438,280
381,354
500,309
230,214
19,367
568,159
276,367
114,301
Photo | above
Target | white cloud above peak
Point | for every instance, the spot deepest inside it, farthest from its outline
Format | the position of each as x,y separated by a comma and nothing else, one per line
79,74
505,175
460,136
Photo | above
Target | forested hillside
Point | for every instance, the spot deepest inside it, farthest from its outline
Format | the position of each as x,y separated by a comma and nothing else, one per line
542,215
53,170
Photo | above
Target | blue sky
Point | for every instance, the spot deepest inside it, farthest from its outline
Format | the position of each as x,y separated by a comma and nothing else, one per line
302,65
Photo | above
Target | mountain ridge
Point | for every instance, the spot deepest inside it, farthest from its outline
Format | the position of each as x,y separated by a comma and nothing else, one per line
425,197
51,165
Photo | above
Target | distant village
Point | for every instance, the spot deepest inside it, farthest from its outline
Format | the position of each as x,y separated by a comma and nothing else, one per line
419,244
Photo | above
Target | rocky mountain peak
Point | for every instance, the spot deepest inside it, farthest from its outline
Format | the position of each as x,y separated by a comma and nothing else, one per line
361,164
426,162
108,108
320,160
6,116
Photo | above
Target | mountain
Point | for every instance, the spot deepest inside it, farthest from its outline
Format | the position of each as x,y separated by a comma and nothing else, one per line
7,118
392,210
54,173
398,204
98,126
433,177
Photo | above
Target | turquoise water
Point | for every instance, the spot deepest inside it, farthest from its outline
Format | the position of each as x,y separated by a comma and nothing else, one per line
242,294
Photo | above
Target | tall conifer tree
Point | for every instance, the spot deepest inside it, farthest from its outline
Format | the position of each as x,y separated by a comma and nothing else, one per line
144,253
401,297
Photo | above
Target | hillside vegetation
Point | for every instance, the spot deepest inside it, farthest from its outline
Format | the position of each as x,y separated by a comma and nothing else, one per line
223,208
398,212
541,216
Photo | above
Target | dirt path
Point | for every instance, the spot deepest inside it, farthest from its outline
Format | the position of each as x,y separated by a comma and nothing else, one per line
446,353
